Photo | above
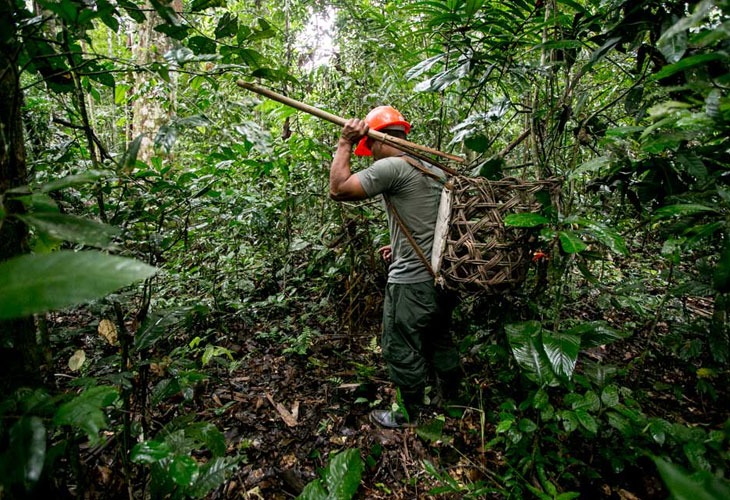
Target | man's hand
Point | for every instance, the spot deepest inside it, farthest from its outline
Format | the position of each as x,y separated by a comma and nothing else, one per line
353,130
386,253
344,186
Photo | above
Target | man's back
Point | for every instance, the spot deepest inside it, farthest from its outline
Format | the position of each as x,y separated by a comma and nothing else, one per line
415,197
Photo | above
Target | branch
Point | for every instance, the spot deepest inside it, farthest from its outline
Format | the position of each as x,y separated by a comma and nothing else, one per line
524,135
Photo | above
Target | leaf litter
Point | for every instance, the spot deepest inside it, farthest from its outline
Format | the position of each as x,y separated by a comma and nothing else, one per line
287,414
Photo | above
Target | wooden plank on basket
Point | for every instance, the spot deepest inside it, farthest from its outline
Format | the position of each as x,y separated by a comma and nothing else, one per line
441,232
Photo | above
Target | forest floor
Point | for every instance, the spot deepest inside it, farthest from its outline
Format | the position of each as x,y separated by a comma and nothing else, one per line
291,412
287,410
288,413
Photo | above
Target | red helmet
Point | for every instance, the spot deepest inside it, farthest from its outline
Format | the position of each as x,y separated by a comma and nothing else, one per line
381,118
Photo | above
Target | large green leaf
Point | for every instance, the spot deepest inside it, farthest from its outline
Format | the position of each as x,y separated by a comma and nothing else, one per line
526,343
596,333
525,219
605,235
586,420
341,478
23,458
659,428
610,396
425,65
569,420
682,210
33,284
72,228
703,486
591,166
589,402
209,435
570,242
177,32
184,470
431,431
693,165
562,352
343,474
213,474
265,31
227,26
132,10
313,491
148,452
601,52
620,423
130,155
73,180
687,63
85,411
202,45
701,233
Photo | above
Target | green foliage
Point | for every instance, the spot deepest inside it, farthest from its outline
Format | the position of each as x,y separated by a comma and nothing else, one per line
525,220
627,100
175,473
301,343
340,479
449,485
683,486
25,457
85,411
32,422
37,283
47,281
213,351
549,357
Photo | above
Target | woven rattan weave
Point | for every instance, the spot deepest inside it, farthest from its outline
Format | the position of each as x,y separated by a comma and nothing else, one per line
478,252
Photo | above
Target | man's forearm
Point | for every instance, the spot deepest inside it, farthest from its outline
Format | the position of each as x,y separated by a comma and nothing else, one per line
343,185
340,169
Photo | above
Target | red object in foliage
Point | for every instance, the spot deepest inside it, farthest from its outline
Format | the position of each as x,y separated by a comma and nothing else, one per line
539,255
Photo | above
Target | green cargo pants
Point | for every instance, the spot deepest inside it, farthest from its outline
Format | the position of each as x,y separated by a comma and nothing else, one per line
416,336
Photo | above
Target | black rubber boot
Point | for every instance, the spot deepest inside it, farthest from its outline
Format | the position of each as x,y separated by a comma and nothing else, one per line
390,419
396,419
448,387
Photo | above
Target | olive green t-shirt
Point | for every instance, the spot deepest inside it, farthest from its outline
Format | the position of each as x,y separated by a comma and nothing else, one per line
416,198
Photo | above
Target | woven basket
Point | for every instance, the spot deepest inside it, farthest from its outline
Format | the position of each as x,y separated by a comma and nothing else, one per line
473,250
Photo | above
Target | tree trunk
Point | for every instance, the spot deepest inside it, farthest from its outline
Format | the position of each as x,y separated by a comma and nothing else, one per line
19,353
148,110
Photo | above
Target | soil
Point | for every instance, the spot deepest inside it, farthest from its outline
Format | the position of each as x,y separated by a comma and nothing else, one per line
287,413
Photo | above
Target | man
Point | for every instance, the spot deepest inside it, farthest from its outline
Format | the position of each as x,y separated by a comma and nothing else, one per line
416,318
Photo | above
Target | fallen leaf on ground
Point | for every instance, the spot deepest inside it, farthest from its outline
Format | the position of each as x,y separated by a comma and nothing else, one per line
289,418
108,331
77,360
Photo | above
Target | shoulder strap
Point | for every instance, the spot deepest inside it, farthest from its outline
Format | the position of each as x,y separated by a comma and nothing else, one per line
408,234
419,166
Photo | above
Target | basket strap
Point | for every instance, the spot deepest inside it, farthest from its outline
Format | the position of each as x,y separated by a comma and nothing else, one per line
410,237
419,166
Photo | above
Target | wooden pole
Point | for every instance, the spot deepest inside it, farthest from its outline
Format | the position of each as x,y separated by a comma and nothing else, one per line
401,144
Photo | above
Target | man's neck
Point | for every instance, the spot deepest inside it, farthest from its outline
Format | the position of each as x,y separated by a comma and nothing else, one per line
388,152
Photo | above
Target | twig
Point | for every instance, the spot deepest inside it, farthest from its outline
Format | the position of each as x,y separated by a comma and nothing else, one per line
524,135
